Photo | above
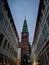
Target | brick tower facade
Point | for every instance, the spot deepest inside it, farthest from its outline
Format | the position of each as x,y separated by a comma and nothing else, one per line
25,40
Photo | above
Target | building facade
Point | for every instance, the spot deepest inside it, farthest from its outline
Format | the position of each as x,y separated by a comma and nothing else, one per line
40,46
25,44
8,36
19,54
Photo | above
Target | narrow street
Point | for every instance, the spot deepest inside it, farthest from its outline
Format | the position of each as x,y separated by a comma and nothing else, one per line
24,32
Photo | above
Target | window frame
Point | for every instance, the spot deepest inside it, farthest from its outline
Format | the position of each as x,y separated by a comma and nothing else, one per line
1,17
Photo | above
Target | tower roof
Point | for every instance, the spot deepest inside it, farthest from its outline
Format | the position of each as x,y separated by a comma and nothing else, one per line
25,29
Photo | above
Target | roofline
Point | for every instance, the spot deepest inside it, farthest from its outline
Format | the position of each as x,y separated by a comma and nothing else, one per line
38,18
12,21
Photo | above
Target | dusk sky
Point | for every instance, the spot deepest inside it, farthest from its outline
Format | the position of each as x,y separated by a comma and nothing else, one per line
21,9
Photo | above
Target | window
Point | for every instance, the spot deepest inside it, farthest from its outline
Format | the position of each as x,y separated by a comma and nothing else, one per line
24,48
41,17
1,39
5,25
11,49
5,43
28,54
1,17
43,7
25,37
1,1
47,1
8,46
48,20
1,59
9,30
15,54
44,32
45,58
42,59
41,14
47,50
41,40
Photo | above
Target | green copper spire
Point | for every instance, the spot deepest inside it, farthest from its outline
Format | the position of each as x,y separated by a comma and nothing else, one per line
25,29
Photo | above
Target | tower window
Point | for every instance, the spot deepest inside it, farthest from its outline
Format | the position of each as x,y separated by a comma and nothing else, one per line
25,37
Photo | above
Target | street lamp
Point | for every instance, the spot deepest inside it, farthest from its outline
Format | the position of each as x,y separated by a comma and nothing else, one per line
35,63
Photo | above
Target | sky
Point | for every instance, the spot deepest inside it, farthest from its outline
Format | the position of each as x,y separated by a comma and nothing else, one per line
22,9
